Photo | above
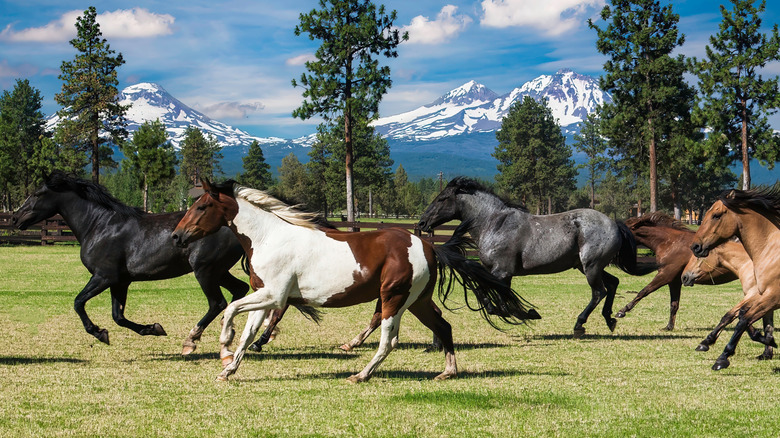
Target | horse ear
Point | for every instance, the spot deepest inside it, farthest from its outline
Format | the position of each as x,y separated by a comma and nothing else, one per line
731,194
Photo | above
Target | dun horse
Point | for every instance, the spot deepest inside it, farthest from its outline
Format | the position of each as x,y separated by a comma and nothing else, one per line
121,244
511,241
754,217
723,261
292,260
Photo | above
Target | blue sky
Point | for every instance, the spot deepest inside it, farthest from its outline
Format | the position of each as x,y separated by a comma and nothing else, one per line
234,60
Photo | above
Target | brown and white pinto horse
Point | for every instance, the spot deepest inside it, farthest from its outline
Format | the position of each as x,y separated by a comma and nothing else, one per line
754,217
292,260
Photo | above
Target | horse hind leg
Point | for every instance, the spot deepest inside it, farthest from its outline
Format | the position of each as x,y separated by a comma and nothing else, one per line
388,341
118,300
611,284
598,292
428,314
270,329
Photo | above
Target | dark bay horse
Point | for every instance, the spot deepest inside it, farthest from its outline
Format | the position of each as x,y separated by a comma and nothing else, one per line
292,260
671,241
512,241
754,217
728,258
121,244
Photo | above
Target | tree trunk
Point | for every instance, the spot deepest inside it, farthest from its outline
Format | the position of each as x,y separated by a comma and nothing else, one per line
653,169
348,142
592,193
745,151
146,195
95,158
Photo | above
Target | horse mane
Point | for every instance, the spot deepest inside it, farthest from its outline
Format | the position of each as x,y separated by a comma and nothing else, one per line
463,184
764,200
656,219
59,181
288,213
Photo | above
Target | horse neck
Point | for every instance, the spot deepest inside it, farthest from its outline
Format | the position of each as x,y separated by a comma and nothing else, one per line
653,237
260,225
759,236
480,208
82,216
733,257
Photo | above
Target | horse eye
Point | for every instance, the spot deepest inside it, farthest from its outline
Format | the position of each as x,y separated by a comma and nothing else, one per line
201,208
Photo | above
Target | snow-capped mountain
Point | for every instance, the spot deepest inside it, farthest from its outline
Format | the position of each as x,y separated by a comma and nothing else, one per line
473,107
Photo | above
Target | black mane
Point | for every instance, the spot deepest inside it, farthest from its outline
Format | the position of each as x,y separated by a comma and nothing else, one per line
463,184
59,181
764,200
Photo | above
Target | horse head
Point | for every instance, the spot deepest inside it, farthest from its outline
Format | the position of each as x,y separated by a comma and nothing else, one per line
37,207
213,210
445,207
719,225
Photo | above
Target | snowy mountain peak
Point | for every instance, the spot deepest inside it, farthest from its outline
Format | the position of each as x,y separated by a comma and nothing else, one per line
468,93
472,107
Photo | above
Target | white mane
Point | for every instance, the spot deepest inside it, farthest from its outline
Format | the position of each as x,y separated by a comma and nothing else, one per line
266,202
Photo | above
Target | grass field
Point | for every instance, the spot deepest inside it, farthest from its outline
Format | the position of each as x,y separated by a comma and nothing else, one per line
529,381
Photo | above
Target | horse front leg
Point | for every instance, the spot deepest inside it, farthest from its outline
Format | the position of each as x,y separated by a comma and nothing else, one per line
675,290
661,279
769,329
253,323
94,287
723,360
118,300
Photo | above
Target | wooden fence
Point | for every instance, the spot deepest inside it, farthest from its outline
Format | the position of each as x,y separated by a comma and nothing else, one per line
55,230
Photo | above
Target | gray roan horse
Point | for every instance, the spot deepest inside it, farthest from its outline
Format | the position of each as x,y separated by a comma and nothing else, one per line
512,241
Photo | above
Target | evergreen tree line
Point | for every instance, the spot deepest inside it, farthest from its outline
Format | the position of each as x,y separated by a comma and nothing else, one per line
661,144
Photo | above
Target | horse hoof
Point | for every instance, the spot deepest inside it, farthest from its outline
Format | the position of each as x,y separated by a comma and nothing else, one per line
346,347
445,376
158,330
227,360
612,323
188,349
355,379
764,356
221,378
578,333
772,343
102,336
720,364
620,314
703,347
668,328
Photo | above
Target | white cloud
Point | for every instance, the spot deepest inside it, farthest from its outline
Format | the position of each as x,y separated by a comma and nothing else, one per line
301,59
446,26
122,23
551,17
230,110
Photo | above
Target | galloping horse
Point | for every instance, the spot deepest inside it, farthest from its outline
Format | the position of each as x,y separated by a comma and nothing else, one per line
671,241
121,244
511,241
754,217
724,261
292,260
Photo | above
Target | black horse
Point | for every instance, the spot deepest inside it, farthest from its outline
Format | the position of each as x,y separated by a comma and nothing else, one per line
512,241
122,244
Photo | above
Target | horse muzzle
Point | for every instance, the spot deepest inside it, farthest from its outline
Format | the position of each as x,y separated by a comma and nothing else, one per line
688,278
21,221
181,238
699,250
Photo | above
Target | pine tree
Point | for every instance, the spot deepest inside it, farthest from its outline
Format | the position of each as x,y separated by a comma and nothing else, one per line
534,161
590,142
346,80
22,136
644,79
199,156
293,181
89,97
151,155
735,98
257,173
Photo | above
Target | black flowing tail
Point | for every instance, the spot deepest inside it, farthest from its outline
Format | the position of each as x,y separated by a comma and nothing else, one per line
489,290
626,257
309,312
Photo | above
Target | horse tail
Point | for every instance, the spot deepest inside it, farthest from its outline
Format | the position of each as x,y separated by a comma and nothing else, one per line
626,256
311,313
494,296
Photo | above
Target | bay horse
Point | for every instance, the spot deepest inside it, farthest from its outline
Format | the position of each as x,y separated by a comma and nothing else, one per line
726,260
671,241
292,260
511,241
121,244
754,217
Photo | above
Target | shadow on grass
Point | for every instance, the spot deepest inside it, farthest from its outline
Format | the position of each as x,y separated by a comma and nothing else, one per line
278,355
426,346
587,337
415,375
18,360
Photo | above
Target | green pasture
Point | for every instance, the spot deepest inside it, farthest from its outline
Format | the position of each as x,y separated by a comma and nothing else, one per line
55,380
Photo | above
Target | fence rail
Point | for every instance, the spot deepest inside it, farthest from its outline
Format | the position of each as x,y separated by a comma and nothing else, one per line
55,230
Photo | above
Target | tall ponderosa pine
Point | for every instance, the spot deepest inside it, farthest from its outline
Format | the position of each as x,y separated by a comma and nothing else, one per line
22,137
89,97
590,142
735,98
151,155
257,173
199,156
643,77
534,161
346,80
